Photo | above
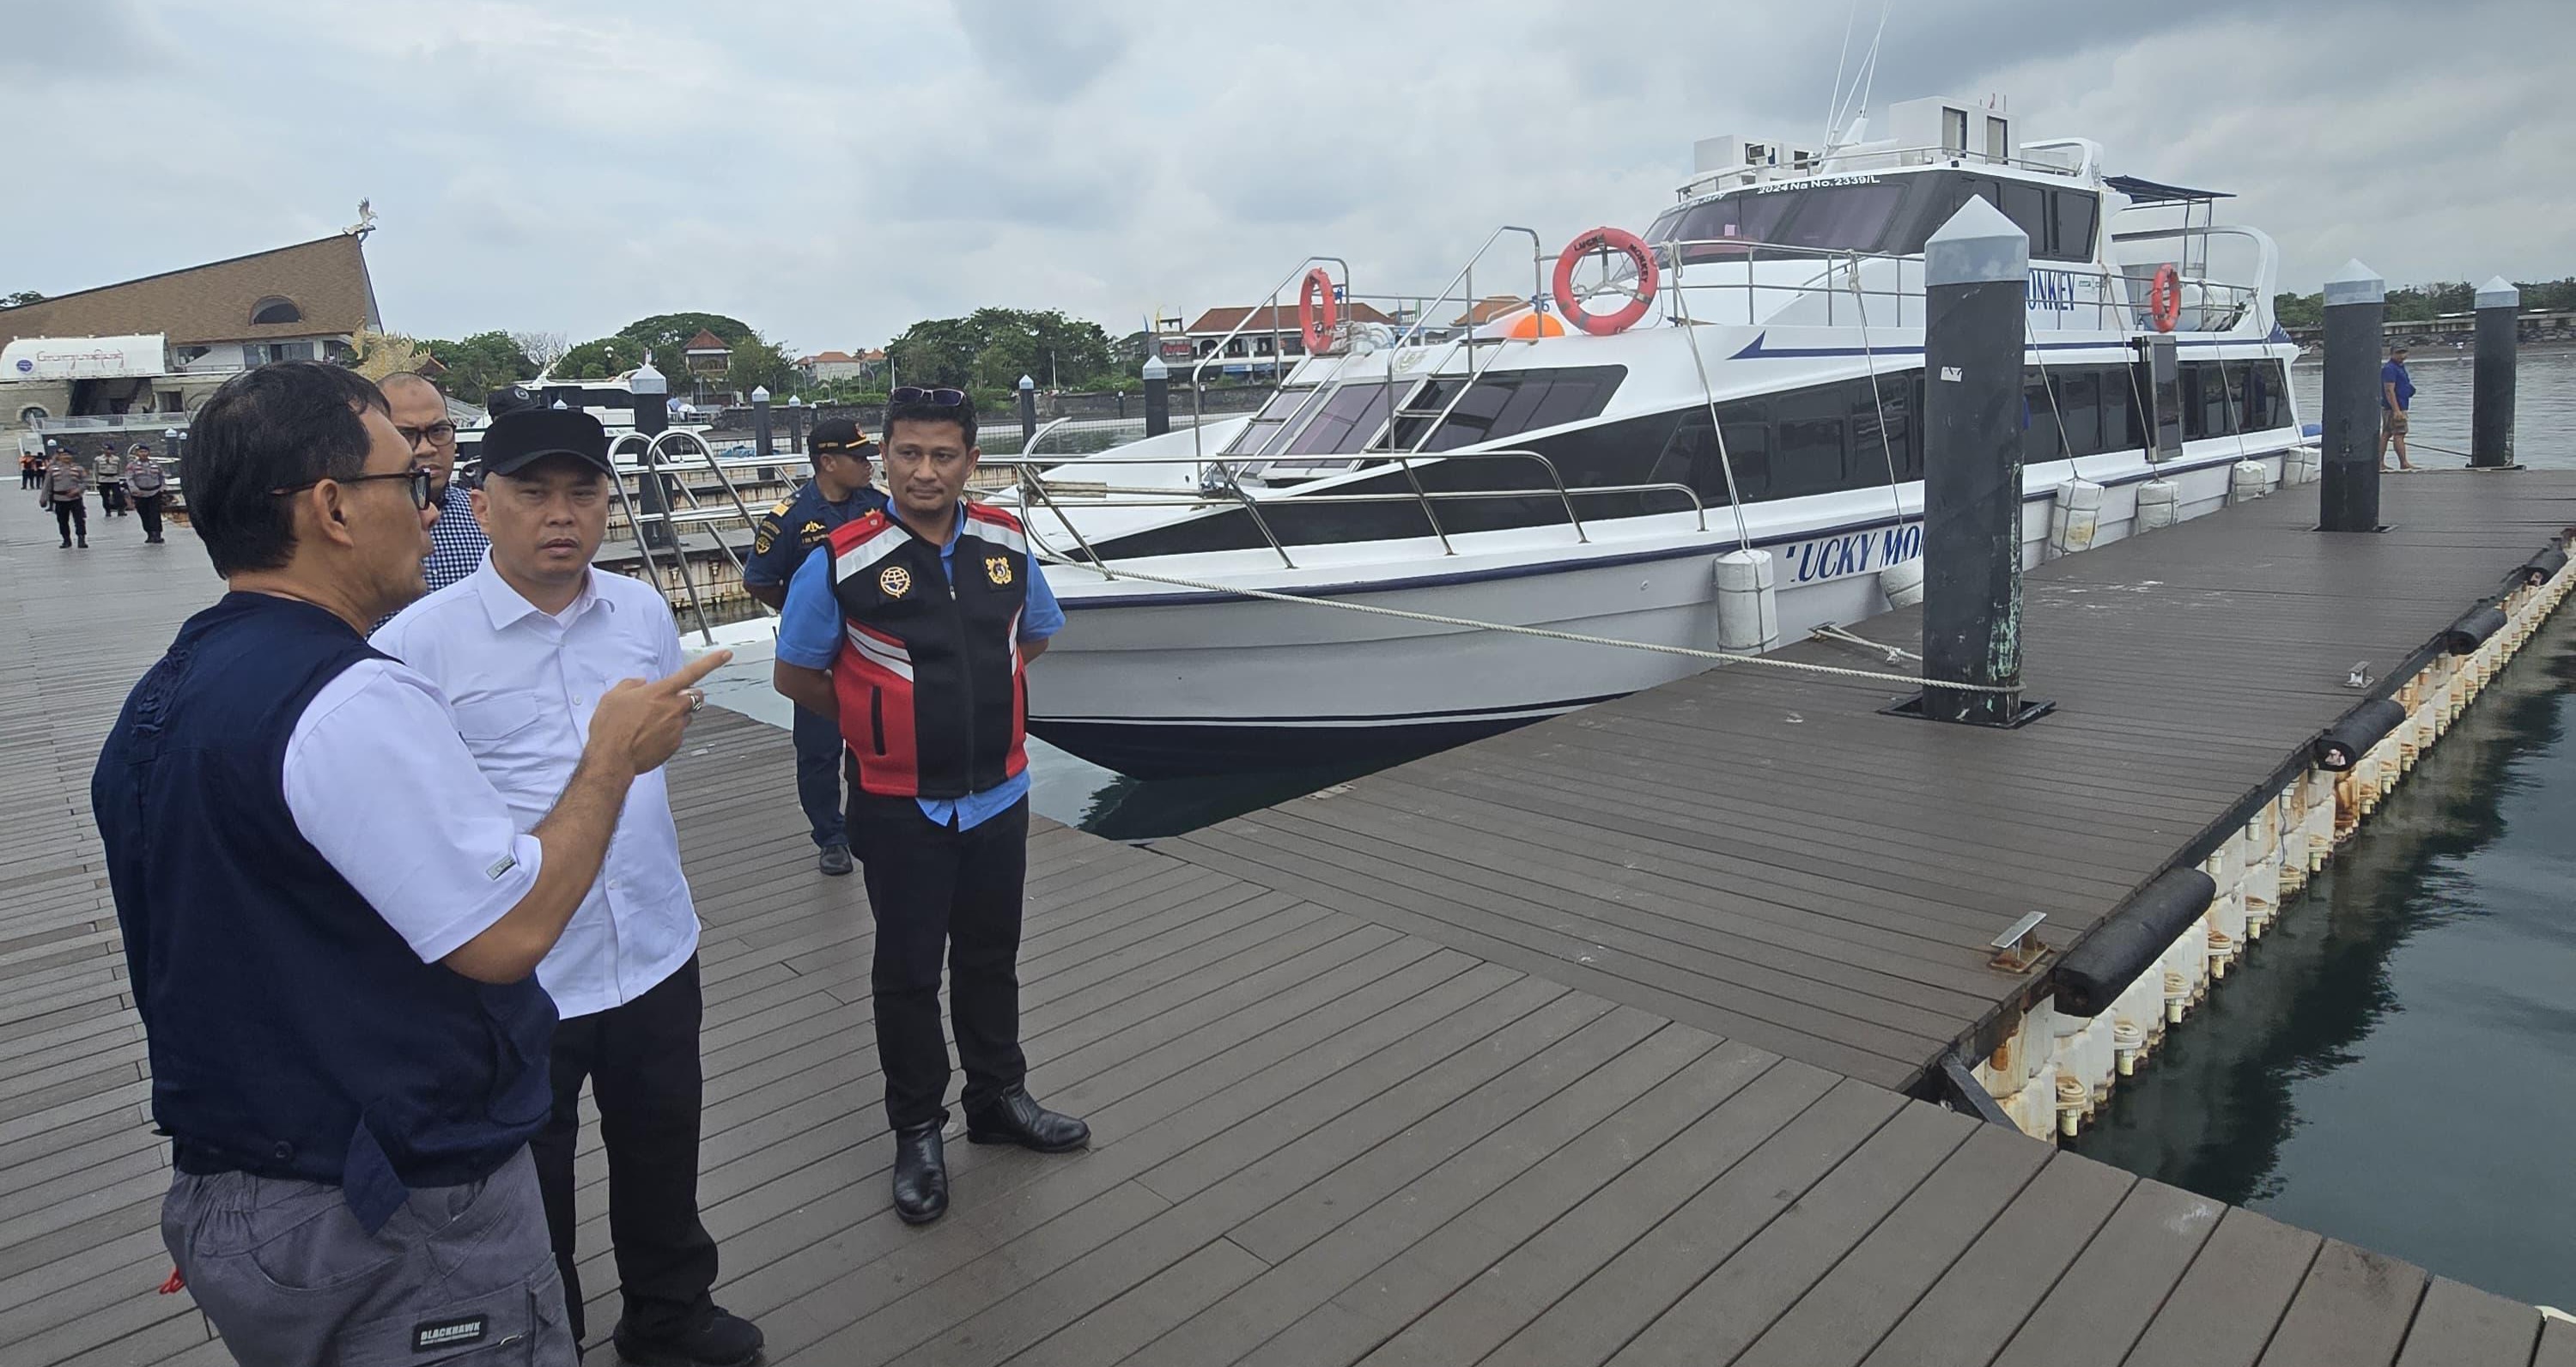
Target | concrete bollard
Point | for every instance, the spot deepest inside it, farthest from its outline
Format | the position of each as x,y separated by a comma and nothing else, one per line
2492,386
1976,271
2356,304
652,418
764,442
1158,397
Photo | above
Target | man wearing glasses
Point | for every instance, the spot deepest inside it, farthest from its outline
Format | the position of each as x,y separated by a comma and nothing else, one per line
524,648
911,629
838,493
331,919
420,415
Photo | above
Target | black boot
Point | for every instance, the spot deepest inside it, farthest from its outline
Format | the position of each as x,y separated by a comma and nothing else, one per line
1015,1117
719,1339
920,1174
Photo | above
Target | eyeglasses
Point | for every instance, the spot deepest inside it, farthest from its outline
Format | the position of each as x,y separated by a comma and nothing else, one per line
419,480
437,433
938,398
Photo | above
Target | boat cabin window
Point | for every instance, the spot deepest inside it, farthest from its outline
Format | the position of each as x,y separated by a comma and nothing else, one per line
1504,404
1892,215
1345,421
1274,422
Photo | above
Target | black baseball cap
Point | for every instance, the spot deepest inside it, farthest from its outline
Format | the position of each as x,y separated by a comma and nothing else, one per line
508,400
515,441
840,436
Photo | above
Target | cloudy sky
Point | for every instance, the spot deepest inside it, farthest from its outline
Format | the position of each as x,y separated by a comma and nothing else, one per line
830,172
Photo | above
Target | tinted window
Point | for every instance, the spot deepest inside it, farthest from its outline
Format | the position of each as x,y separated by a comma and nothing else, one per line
2123,429
1510,403
1808,453
2079,401
1843,218
2027,206
2038,421
1351,416
2266,398
1882,430
2071,227
1273,423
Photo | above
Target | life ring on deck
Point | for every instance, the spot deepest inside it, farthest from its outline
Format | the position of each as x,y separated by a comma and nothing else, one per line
1317,311
2164,298
1640,295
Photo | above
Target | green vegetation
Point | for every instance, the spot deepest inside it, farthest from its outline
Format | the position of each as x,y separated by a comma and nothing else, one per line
11,301
479,364
2424,303
990,349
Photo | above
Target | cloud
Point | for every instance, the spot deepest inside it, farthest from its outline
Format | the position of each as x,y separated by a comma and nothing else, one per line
833,173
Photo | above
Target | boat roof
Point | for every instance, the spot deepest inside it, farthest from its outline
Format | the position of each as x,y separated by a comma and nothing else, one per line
2143,191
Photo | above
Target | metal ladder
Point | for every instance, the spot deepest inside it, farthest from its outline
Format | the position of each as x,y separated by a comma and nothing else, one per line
1466,343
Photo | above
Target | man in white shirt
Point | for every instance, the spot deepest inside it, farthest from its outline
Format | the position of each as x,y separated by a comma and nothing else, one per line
523,648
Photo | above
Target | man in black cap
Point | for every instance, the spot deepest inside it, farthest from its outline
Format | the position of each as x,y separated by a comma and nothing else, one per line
839,492
523,648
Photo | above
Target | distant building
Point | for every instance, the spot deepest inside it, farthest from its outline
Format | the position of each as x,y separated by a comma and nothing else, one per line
1267,333
142,355
707,356
823,367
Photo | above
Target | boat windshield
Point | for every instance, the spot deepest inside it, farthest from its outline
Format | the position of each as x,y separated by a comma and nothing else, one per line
1890,216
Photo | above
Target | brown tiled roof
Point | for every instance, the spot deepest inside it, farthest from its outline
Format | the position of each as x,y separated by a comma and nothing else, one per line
706,341
326,279
830,358
1488,309
1264,319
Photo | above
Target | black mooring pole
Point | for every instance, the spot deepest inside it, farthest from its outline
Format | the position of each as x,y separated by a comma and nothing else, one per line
1976,273
1158,397
2491,388
2356,306
1028,412
764,439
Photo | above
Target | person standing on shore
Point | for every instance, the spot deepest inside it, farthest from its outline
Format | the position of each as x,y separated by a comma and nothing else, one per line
28,465
2396,395
331,920
65,483
521,647
144,483
420,414
839,492
107,471
912,630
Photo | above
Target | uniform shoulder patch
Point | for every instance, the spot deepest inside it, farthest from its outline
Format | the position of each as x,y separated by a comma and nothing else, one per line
783,505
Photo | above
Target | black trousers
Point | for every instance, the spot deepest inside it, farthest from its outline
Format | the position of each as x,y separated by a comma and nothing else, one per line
939,892
70,513
149,505
642,1062
111,498
819,753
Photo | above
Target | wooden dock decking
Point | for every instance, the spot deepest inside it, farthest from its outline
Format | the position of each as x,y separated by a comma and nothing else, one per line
1363,1090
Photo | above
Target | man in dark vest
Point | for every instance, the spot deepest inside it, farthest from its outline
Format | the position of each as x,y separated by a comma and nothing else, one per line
331,920
911,627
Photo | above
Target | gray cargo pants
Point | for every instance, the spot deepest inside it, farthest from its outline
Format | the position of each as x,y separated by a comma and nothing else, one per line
458,1275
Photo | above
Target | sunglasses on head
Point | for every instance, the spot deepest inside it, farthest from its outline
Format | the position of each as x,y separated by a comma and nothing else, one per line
939,398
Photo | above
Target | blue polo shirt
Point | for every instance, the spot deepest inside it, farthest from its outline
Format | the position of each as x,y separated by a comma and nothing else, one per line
789,532
809,637
2394,372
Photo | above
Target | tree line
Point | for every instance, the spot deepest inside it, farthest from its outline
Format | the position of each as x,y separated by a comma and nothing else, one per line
2424,303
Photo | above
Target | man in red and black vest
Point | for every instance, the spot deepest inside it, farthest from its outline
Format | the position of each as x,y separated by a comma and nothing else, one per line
912,627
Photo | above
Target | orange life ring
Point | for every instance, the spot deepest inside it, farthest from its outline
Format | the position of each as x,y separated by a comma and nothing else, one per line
1606,239
1317,311
2164,298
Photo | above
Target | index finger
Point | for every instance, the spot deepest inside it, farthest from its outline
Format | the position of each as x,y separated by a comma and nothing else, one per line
688,674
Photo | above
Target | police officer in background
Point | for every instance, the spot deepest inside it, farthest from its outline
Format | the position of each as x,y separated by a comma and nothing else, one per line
839,492
143,483
332,921
912,631
107,470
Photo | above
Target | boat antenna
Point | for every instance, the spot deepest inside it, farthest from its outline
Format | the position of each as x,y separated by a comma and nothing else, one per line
1834,98
1869,65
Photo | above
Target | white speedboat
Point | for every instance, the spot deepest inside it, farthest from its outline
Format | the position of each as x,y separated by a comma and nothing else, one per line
1549,463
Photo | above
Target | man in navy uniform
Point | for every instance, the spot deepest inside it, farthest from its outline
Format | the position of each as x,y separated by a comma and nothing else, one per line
911,630
331,920
839,492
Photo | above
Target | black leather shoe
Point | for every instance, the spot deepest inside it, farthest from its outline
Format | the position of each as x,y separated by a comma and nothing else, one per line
834,860
920,1175
721,1340
1015,1117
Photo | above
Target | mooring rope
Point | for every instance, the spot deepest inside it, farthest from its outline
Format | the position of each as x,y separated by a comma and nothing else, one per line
1543,633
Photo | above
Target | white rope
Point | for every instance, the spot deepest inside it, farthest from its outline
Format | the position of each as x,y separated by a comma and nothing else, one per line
1579,638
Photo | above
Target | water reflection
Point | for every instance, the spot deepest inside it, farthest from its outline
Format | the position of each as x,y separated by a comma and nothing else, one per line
2403,1089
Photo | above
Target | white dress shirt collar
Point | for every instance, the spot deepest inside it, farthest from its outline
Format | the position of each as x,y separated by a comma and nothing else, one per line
506,605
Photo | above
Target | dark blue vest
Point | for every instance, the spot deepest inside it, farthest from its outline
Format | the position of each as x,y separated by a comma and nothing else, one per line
292,1032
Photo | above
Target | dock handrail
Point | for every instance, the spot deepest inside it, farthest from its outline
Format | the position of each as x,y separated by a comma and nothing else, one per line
669,518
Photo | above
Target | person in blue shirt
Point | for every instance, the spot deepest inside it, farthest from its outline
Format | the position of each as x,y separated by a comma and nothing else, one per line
838,492
912,629
2396,394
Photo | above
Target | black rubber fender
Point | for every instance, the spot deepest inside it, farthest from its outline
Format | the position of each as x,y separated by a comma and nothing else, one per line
2542,568
2130,940
2344,743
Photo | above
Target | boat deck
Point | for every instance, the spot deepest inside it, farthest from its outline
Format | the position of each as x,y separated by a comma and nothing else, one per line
1379,1098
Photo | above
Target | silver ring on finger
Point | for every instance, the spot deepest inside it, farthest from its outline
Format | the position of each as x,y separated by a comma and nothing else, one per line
697,698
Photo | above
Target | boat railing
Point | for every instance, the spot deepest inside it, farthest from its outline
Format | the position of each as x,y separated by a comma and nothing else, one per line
1224,490
1883,290
1216,354
1844,163
660,516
